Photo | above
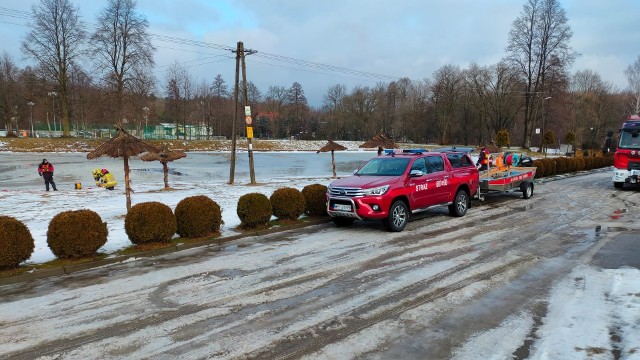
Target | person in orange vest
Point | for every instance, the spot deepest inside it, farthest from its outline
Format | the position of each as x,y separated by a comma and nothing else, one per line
483,159
45,169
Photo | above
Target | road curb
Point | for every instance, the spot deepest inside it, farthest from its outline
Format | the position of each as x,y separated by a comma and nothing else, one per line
37,274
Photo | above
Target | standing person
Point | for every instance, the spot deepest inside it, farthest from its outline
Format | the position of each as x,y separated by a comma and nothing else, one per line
380,149
483,159
45,169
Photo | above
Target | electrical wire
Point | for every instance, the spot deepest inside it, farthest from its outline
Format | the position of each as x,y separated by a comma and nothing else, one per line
280,61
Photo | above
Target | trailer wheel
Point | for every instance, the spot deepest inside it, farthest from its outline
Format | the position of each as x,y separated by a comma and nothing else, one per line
618,185
398,217
527,189
460,204
342,221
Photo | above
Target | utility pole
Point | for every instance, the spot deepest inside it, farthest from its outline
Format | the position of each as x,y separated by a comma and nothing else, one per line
232,167
240,58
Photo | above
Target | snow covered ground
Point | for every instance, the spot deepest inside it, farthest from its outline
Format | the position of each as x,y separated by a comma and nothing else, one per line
22,192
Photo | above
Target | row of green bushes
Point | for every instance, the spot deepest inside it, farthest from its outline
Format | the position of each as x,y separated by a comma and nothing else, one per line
563,165
80,233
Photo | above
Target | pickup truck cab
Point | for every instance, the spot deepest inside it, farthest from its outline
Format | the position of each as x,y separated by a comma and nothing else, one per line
400,183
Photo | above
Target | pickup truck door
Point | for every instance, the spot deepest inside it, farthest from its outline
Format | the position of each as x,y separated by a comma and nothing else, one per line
437,179
419,189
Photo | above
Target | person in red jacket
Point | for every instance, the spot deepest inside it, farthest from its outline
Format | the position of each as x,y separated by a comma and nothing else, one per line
484,159
45,169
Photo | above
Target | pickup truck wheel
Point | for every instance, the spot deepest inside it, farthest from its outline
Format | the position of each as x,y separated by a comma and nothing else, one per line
342,221
460,204
618,185
398,216
527,189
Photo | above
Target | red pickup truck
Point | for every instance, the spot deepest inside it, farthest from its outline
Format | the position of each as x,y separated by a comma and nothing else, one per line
400,183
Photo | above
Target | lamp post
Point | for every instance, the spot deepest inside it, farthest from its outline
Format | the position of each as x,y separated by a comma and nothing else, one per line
544,120
53,95
202,125
146,118
30,103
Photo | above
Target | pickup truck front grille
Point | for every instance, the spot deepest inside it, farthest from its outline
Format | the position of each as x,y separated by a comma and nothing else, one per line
346,192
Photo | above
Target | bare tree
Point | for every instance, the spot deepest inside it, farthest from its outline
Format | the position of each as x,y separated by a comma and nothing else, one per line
55,42
633,76
359,107
538,34
297,108
275,101
446,91
9,94
495,95
593,110
333,104
220,93
122,48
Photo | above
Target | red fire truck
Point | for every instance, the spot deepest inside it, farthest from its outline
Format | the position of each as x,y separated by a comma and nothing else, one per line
626,160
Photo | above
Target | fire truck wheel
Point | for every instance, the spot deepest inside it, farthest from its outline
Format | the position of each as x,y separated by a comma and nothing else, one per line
342,221
618,185
460,204
398,216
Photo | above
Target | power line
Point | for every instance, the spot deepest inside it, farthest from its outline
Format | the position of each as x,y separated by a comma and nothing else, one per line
301,65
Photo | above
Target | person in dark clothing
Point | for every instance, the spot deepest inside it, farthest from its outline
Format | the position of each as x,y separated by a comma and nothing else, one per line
45,169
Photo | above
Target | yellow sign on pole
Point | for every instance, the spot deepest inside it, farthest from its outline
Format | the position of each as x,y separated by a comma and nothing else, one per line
249,132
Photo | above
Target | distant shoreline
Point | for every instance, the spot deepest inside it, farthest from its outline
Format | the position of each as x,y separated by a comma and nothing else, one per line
44,145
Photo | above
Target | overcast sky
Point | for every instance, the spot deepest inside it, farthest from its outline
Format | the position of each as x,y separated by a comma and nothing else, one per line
307,41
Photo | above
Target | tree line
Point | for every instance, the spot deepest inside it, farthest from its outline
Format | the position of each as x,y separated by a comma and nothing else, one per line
82,78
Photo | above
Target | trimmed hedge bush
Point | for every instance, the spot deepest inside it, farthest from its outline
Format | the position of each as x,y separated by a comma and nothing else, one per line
150,222
197,216
563,165
287,203
76,234
315,196
254,210
540,168
16,242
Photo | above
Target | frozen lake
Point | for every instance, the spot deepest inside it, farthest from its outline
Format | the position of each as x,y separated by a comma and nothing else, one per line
18,171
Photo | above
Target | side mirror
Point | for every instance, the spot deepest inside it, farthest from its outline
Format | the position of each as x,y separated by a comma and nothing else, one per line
416,173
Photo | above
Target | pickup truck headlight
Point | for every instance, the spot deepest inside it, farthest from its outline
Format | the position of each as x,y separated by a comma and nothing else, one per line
375,191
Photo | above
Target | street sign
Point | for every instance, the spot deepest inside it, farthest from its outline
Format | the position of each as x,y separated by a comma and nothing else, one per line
247,119
249,132
247,110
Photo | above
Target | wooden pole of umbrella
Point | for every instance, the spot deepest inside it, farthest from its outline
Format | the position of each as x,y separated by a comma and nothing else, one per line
332,146
123,145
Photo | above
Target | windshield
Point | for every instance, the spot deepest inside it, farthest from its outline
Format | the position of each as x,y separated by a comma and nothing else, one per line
630,139
384,166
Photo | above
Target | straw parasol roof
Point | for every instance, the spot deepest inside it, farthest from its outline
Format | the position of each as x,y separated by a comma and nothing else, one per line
332,146
123,145
380,140
164,155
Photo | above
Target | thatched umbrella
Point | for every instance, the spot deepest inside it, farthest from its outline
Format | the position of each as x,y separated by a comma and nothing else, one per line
164,156
332,146
380,140
125,146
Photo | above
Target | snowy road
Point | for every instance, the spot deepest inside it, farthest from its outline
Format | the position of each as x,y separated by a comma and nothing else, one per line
513,278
